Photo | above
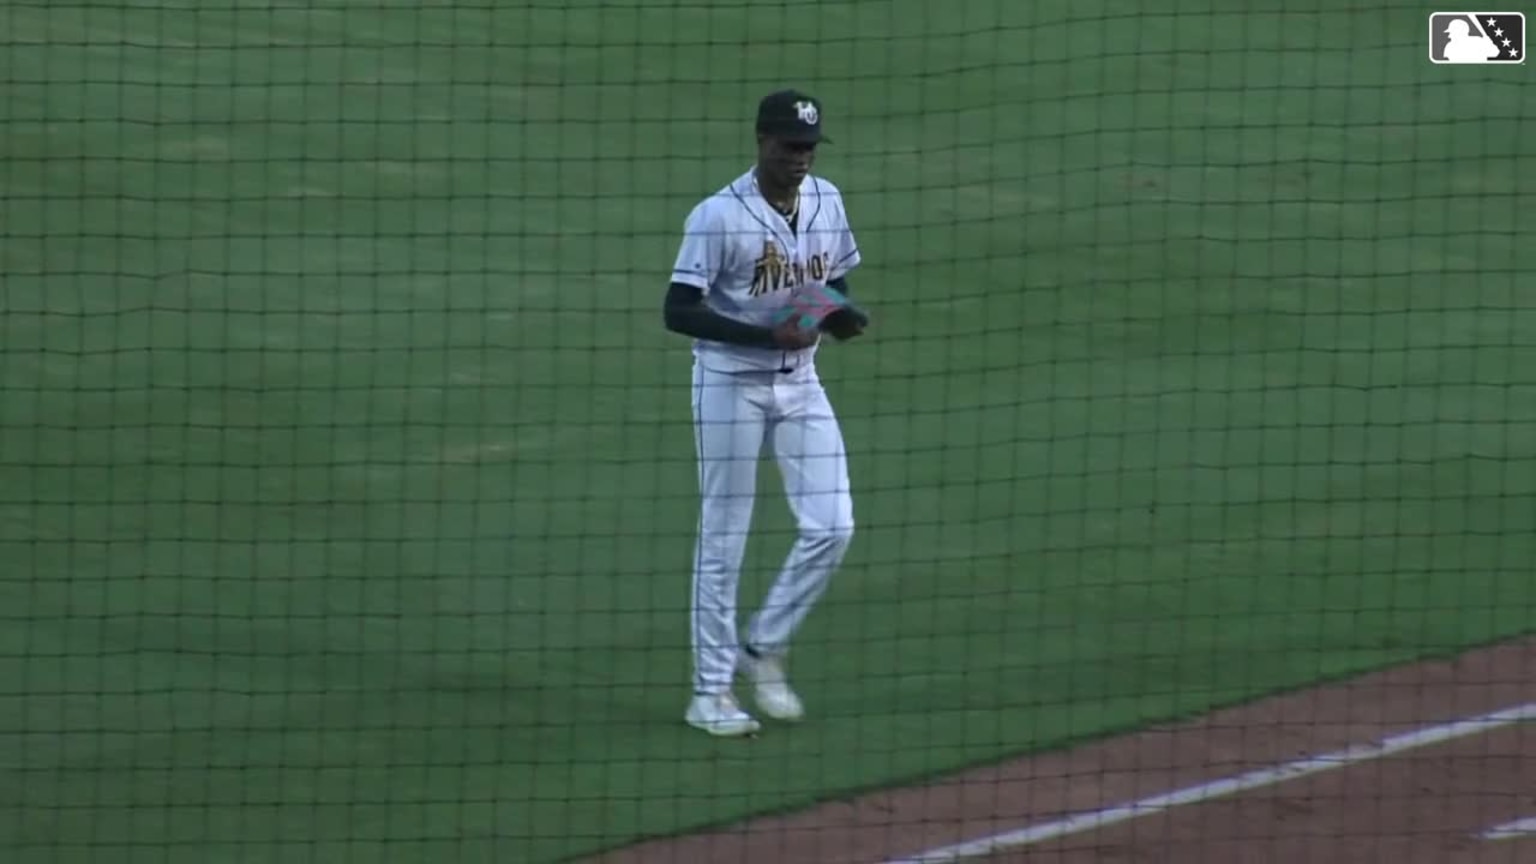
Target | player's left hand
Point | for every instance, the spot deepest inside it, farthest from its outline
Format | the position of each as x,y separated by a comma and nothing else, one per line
845,323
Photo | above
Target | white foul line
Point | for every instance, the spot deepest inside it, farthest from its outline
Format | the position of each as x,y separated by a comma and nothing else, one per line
1103,818
1517,828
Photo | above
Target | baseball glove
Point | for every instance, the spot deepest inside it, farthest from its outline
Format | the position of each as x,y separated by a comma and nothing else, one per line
826,309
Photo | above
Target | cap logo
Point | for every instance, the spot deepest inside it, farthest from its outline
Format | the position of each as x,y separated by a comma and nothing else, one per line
807,113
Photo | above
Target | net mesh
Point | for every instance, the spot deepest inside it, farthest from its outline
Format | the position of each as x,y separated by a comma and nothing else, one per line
348,494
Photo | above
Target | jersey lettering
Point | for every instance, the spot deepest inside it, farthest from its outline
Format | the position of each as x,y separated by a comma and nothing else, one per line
772,271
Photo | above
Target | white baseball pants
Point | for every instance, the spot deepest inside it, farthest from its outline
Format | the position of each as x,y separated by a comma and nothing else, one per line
734,414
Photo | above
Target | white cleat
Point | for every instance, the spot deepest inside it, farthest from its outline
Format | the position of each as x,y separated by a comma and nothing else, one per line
719,715
770,687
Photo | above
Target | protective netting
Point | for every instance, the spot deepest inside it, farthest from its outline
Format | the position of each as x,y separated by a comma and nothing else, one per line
347,488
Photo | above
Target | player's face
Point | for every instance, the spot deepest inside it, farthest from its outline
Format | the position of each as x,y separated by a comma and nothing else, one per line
787,162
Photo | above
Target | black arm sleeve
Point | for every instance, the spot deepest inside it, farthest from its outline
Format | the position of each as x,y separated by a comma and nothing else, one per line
841,284
685,313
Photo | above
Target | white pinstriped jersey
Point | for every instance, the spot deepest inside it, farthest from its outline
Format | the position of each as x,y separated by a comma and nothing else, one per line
747,260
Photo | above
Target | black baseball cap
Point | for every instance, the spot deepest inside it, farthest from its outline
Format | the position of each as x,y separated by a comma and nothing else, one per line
790,116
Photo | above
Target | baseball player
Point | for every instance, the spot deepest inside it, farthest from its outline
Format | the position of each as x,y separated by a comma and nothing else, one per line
748,250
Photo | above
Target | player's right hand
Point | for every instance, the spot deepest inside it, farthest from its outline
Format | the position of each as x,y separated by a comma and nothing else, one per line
792,337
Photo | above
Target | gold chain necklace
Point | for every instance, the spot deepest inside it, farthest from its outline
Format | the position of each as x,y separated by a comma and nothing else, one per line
794,207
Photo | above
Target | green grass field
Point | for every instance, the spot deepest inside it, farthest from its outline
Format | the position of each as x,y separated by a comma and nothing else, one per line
346,495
